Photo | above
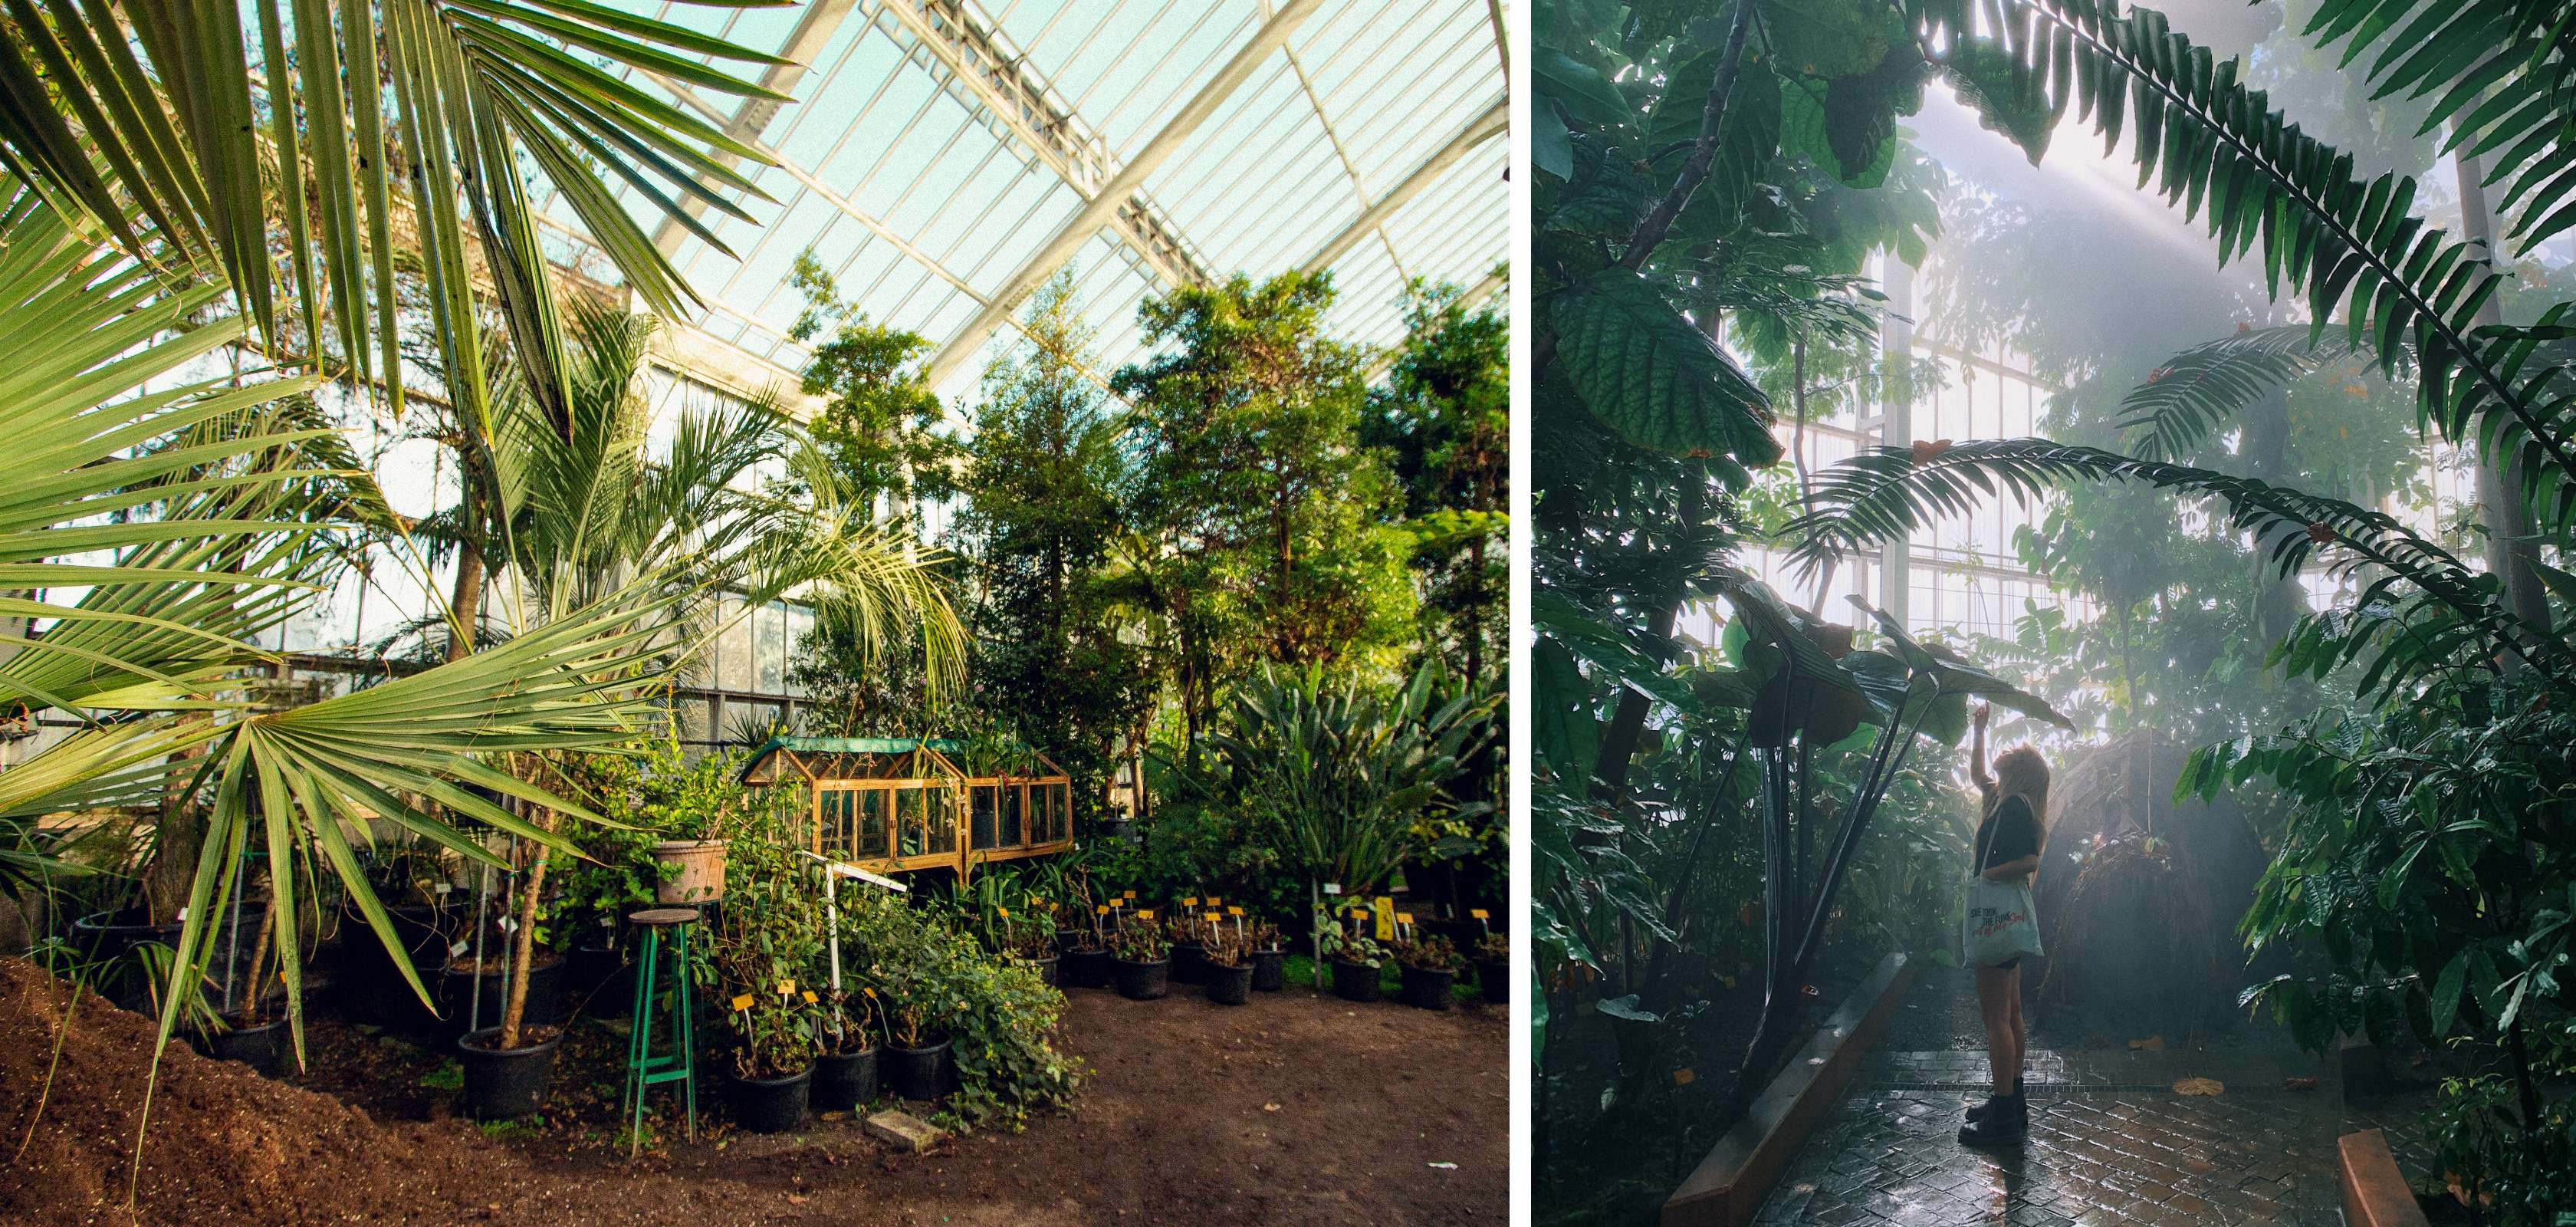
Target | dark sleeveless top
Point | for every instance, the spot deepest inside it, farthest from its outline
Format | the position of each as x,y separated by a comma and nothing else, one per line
2008,834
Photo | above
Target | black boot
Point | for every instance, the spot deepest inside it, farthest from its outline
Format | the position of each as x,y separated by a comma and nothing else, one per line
2006,1120
1980,1111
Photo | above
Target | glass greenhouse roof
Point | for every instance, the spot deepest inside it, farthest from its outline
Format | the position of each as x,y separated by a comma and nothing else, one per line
943,157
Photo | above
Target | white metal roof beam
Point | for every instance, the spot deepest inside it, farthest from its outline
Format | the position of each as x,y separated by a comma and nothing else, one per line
1272,35
850,209
1025,105
1479,130
813,31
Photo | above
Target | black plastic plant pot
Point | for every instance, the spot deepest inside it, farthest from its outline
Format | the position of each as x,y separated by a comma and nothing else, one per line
1269,970
844,1080
1354,981
770,1105
266,1047
1143,981
459,987
372,988
1229,985
110,936
502,1083
1494,977
1427,988
1048,969
917,1073
1189,963
1083,969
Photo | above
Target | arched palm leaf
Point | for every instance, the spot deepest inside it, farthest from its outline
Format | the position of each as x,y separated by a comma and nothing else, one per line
192,132
2179,406
1886,493
2265,188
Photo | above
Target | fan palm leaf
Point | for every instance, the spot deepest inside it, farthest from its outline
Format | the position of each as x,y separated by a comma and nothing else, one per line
144,119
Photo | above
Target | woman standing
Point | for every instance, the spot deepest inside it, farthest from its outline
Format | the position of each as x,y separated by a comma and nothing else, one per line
1999,927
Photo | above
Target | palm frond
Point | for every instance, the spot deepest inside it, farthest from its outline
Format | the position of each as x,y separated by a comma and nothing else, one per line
1887,493
2263,187
2178,407
142,118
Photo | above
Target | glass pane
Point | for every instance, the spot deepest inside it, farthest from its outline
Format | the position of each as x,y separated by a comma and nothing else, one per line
939,809
872,821
733,650
911,833
1015,805
986,799
769,648
800,623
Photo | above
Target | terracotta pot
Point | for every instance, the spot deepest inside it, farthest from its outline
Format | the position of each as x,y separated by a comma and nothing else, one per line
702,870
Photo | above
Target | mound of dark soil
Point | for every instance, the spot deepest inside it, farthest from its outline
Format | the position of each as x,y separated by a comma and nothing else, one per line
222,1144
1294,1109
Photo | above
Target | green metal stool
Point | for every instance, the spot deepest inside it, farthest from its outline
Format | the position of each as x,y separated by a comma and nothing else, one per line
644,1068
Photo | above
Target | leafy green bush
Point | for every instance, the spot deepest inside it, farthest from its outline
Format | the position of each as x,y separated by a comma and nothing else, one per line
998,1014
767,939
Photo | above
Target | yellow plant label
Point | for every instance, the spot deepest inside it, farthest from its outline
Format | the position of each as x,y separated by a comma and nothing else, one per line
1210,917
1480,913
1684,1077
1101,909
1190,901
1145,914
1384,906
809,996
1213,901
1006,912
871,993
1404,918
742,1002
1131,894
1234,911
787,988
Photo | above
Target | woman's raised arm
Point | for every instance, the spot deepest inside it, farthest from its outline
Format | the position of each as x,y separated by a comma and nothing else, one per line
1977,747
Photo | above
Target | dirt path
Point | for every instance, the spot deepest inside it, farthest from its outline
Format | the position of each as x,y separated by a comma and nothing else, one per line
1176,1124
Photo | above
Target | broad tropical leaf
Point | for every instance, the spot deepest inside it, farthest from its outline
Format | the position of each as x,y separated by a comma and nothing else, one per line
1651,376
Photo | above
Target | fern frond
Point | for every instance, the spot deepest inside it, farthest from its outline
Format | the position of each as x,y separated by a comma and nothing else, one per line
1887,493
2178,407
2262,186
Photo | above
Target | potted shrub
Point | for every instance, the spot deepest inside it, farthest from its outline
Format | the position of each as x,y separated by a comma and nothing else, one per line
411,880
1356,959
510,985
254,1031
1189,935
690,807
1268,957
1083,957
845,1071
758,947
1141,958
1428,964
917,1051
1494,967
1229,966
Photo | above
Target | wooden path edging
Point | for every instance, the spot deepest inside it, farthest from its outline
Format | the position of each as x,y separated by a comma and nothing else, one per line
1729,1185
2374,1191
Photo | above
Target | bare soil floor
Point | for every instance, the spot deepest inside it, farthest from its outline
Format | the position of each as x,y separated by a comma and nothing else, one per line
1297,1108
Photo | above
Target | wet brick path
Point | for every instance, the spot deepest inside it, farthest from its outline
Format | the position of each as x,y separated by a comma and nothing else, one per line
2110,1142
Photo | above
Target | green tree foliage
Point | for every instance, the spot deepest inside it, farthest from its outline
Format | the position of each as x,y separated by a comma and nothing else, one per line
1040,519
1266,527
878,424
1443,422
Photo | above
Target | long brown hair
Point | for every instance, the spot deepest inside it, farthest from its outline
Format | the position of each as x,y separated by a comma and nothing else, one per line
2021,772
